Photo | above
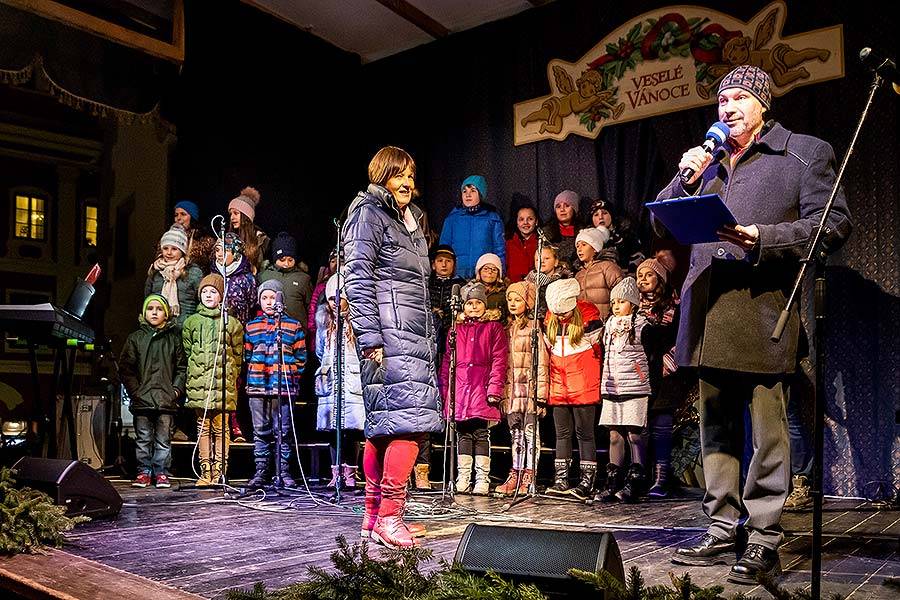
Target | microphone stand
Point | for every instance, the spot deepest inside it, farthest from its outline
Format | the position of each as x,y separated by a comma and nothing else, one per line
339,371
814,254
449,475
223,319
535,333
278,480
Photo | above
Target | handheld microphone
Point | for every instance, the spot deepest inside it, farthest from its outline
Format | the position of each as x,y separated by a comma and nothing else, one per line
716,135
279,303
885,67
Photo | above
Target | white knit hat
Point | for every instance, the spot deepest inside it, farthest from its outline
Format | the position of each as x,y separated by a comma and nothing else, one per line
562,295
489,259
626,289
595,236
175,236
332,284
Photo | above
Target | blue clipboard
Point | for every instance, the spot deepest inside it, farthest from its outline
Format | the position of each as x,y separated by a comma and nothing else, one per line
695,219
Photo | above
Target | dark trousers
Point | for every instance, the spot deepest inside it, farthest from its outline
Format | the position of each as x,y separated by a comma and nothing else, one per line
724,398
262,409
579,419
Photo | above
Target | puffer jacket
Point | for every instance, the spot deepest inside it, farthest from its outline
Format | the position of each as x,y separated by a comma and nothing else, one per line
297,291
597,279
472,234
626,373
152,368
240,292
187,290
519,393
203,347
387,269
353,411
575,370
481,353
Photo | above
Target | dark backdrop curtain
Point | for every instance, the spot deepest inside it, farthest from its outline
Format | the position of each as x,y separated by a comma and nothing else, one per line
451,104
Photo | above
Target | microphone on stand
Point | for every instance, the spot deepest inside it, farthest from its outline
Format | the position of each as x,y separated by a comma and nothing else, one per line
221,228
279,303
716,135
455,299
885,67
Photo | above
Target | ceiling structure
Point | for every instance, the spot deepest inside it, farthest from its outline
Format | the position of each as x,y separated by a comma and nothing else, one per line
374,29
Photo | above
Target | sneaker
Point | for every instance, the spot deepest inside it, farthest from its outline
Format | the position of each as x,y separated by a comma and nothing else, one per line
141,481
162,481
799,498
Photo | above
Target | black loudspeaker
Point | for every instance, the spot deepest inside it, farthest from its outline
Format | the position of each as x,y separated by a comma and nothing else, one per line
539,556
81,489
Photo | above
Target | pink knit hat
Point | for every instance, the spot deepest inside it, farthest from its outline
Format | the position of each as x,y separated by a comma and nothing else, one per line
651,263
246,202
489,259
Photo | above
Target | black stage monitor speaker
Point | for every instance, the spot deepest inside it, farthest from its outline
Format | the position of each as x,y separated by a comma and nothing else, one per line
81,489
539,556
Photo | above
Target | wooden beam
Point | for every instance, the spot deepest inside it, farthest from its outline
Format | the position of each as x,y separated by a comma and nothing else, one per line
416,17
55,11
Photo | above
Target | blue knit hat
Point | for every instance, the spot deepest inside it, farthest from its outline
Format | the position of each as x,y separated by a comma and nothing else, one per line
191,209
479,183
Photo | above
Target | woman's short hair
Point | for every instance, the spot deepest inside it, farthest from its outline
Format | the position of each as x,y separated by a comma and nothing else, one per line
388,162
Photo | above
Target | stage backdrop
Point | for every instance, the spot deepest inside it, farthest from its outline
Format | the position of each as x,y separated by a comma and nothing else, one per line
455,111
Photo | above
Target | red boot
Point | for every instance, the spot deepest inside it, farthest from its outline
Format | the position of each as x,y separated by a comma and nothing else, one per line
392,532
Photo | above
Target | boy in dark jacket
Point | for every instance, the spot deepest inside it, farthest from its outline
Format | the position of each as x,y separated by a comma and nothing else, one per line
273,376
292,275
153,369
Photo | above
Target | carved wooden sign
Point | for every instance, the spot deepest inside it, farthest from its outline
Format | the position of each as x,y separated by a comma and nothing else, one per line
673,59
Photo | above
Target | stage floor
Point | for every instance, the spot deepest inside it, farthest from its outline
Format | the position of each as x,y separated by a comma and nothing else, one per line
205,543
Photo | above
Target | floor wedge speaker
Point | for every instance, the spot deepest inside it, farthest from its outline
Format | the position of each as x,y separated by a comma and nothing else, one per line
539,556
81,489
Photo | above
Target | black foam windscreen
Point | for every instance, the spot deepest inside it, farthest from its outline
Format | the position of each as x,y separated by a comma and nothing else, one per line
539,556
70,483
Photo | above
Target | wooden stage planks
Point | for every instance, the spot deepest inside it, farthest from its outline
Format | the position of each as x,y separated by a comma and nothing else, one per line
204,543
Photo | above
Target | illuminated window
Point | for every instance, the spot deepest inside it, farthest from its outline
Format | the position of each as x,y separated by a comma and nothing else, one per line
30,218
90,225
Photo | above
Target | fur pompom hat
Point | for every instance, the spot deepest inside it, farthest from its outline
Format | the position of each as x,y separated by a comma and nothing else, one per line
246,202
596,237
562,295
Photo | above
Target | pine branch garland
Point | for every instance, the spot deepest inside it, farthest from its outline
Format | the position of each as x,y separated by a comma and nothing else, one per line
29,521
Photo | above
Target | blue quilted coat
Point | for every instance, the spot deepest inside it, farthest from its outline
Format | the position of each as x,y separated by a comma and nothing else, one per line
386,270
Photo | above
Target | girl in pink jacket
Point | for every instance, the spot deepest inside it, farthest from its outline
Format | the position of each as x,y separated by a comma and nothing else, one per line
480,379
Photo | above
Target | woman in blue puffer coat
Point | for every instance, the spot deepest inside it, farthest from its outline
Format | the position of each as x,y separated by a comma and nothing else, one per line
386,270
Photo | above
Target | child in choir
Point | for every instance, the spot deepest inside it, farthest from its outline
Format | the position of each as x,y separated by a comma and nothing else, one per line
152,368
318,293
564,226
573,329
440,287
599,273
241,215
473,227
669,384
273,377
293,277
171,276
480,379
548,268
518,401
626,392
521,244
211,353
353,411
489,272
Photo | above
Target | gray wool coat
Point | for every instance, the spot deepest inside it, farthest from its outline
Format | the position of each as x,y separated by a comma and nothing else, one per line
386,285
731,300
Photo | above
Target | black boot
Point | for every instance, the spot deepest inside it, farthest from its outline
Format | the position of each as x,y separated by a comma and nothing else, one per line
585,488
286,479
660,488
634,484
261,477
608,493
560,485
